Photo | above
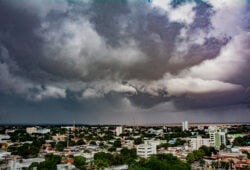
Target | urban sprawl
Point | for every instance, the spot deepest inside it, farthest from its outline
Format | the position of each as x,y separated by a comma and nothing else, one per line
207,147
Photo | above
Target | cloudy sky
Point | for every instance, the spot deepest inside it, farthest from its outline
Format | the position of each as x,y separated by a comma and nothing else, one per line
124,61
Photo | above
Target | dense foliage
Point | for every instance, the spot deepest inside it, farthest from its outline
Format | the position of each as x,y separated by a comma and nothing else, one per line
79,162
126,156
242,141
197,155
49,164
160,162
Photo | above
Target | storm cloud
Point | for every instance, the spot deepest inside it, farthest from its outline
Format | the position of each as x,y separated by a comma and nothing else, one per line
125,56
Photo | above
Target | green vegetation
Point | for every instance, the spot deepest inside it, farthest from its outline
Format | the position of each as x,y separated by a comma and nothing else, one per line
79,162
242,141
49,164
80,142
197,155
60,146
126,156
160,162
26,150
117,144
138,141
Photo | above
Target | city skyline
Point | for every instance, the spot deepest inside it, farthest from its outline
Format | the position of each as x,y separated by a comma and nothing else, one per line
120,62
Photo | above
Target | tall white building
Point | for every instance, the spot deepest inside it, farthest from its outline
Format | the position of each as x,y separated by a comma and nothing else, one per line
185,126
197,142
146,150
118,130
217,136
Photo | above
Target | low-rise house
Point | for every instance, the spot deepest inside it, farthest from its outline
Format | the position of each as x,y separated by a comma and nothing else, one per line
25,163
59,137
119,167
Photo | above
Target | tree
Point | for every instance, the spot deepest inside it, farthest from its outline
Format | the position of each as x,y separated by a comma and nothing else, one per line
241,141
190,158
80,142
72,143
102,158
79,162
112,149
101,164
118,159
179,142
222,147
54,158
60,146
47,165
129,155
33,164
207,150
117,144
50,162
92,143
138,141
101,144
160,162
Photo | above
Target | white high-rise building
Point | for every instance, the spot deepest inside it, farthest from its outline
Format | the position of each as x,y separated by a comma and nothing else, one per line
146,150
197,142
185,126
217,136
118,130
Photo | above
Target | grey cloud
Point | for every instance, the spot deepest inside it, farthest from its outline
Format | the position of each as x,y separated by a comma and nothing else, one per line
145,53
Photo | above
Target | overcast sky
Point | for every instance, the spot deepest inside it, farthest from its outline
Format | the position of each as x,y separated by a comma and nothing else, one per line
124,61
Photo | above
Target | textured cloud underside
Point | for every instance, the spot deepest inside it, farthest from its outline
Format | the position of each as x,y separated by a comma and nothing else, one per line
161,50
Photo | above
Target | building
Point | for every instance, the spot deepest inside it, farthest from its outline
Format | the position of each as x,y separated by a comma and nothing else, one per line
118,167
197,142
145,150
43,131
16,164
185,126
59,137
217,136
118,130
31,130
155,143
67,166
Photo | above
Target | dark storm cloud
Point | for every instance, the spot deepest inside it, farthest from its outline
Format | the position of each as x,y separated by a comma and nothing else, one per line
99,52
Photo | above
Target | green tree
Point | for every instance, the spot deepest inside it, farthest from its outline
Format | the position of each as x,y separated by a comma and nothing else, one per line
117,144
242,141
54,158
92,143
101,164
80,142
79,162
60,146
47,165
103,158
112,149
32,165
190,158
138,141
222,147
160,162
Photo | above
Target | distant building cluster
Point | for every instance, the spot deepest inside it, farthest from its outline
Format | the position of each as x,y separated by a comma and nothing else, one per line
31,130
69,142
